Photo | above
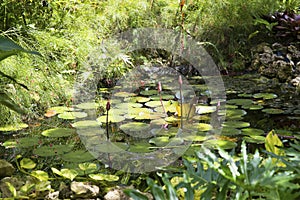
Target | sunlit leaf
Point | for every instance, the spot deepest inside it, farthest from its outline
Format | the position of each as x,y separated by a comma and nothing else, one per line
27,163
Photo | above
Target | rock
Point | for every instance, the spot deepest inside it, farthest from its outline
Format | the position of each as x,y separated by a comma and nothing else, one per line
296,81
118,194
6,169
4,187
52,195
84,190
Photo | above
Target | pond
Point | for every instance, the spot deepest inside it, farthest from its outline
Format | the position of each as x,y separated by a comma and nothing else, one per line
157,117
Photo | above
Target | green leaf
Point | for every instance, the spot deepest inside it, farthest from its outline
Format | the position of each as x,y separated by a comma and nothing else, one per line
12,189
136,195
88,167
106,177
27,163
272,143
171,193
41,175
8,102
56,171
9,48
157,191
69,173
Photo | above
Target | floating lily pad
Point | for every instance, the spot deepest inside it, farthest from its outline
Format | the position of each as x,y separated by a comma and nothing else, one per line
195,138
205,109
78,156
124,94
229,106
245,95
58,132
92,131
230,131
137,99
252,131
107,147
86,124
273,111
253,107
172,119
127,106
135,127
111,118
154,104
236,124
53,150
257,139
72,115
163,97
235,114
224,144
168,108
88,105
283,132
14,127
202,127
148,92
60,109
265,95
240,102
159,141
21,142
140,147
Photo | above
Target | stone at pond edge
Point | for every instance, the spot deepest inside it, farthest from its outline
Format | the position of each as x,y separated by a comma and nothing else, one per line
118,194
84,190
6,169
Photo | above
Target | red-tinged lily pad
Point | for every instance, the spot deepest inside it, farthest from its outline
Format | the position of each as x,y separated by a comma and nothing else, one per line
58,132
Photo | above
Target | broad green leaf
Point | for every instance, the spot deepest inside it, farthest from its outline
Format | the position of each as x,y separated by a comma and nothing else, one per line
27,163
88,167
170,189
69,173
56,171
41,175
106,177
9,48
135,195
157,191
8,102
58,132
12,189
272,143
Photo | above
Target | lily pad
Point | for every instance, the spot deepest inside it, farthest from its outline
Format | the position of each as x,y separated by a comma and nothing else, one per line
138,99
235,113
253,107
159,141
127,106
88,105
230,131
257,139
148,92
14,127
272,111
21,142
45,151
240,102
58,132
124,94
86,124
78,156
72,115
140,147
265,95
224,144
135,127
201,109
60,109
245,95
202,127
92,131
236,124
252,131
107,147
111,118
153,104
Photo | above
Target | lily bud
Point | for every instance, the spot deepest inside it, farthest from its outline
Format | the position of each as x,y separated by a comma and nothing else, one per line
108,106
159,87
180,80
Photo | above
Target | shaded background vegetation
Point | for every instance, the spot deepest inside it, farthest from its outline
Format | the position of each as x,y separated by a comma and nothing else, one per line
64,32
